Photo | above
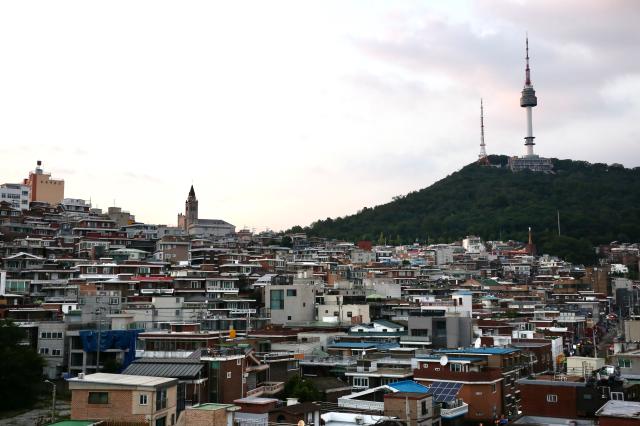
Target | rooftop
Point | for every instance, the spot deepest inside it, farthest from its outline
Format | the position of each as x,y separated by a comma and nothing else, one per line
122,380
624,409
409,386
210,406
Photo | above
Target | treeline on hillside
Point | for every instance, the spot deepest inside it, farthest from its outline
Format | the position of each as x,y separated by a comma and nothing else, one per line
597,203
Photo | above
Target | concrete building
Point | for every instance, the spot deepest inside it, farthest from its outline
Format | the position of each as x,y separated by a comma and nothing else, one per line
120,217
16,194
52,347
334,309
632,330
293,303
43,188
450,331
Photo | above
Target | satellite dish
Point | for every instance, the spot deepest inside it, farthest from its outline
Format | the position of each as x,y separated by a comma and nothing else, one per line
444,360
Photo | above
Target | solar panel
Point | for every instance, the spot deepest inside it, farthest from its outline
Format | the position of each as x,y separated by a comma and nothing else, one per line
444,391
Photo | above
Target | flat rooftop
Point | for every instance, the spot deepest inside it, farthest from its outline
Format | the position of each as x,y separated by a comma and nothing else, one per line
121,380
624,409
213,407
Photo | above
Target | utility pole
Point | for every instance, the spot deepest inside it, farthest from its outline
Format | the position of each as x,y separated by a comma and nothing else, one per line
558,212
99,311
53,400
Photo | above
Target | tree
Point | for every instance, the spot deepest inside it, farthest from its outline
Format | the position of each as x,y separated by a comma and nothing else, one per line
286,241
303,389
20,369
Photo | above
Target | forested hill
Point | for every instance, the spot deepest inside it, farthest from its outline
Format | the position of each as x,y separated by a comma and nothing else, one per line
598,203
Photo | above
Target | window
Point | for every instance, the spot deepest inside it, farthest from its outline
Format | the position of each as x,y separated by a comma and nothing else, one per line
177,312
143,399
289,318
552,398
360,382
292,293
349,315
55,352
277,299
98,397
228,374
493,388
161,399
455,367
44,351
617,396
239,361
624,363
423,408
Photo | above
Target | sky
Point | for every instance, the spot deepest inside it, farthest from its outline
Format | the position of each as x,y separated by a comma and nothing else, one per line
285,112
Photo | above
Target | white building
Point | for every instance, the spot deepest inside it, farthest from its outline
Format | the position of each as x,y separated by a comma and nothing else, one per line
16,194
473,245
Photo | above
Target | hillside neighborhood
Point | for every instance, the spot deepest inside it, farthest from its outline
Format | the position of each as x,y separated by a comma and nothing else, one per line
199,323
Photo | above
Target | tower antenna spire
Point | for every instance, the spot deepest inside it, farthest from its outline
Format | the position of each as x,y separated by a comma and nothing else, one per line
482,157
527,81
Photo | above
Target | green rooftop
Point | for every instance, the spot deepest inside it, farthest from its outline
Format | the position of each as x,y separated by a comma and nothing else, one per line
213,407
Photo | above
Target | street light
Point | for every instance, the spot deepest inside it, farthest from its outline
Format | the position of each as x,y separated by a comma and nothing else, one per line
53,400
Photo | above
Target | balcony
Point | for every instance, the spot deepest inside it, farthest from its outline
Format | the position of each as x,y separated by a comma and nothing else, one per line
328,361
456,409
266,388
361,404
444,373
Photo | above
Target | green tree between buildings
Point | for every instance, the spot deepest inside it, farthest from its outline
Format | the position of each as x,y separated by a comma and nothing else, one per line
20,369
303,389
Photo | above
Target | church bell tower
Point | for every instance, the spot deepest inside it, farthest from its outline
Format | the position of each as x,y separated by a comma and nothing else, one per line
191,209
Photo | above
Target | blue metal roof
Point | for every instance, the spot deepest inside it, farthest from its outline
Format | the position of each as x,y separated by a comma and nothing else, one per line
353,345
409,386
452,359
480,351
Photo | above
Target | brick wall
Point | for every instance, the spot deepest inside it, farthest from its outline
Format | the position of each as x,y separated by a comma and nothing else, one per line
195,417
120,406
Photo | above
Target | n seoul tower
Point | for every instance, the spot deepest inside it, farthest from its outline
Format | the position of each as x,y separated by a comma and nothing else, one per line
528,100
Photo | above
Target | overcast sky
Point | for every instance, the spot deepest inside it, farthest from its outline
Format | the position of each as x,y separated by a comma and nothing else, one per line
284,112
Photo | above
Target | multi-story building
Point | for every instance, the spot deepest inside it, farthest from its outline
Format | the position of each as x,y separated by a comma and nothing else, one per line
120,397
293,303
488,376
43,188
16,194
52,347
